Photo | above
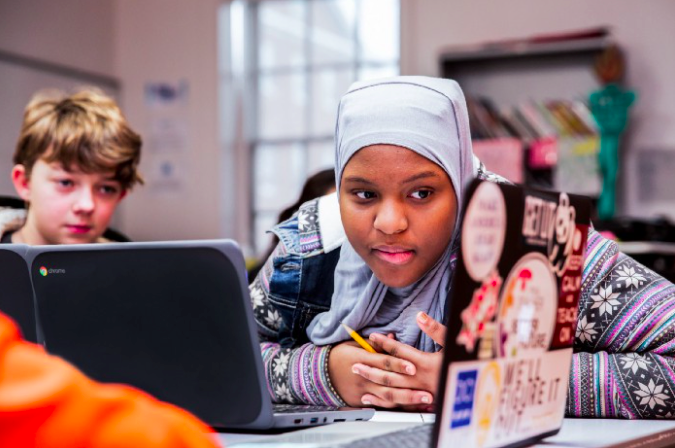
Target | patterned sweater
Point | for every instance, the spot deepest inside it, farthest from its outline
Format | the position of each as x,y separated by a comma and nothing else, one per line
623,365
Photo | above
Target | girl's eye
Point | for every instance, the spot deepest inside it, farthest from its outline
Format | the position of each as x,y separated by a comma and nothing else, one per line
365,194
421,194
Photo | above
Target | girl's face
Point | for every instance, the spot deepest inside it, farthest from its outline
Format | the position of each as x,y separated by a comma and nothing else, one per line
398,210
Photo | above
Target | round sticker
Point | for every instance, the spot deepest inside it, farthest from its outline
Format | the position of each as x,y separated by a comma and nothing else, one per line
483,231
529,301
487,400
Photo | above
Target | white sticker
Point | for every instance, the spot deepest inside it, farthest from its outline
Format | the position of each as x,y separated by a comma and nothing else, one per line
529,301
483,231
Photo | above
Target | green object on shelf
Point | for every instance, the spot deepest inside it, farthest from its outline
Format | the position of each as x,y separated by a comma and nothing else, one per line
610,108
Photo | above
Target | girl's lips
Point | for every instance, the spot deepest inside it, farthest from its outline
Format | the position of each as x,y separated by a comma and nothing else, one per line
398,257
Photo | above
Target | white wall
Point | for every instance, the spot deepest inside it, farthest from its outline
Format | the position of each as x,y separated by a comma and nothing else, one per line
645,31
170,41
74,33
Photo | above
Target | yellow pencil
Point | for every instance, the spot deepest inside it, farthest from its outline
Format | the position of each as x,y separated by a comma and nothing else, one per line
357,337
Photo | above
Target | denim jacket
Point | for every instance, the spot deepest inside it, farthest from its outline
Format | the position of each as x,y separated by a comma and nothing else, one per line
301,284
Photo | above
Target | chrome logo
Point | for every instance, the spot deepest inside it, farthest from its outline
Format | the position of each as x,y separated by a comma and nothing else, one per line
43,271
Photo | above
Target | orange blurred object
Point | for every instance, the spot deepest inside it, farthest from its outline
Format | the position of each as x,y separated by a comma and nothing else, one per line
47,403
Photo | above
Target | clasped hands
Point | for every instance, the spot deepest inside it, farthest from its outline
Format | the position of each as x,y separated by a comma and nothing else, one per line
398,376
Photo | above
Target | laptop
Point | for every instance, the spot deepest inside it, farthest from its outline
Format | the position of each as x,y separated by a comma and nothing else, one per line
16,291
511,324
173,319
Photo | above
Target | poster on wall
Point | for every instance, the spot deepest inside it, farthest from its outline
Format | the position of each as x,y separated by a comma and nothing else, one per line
167,142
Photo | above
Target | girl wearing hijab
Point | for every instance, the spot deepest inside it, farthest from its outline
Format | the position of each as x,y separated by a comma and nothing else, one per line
379,255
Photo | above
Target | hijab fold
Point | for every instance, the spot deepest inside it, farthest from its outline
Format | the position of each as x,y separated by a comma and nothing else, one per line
429,117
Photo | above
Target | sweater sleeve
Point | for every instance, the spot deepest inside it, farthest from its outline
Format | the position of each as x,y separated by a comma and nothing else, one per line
45,402
294,375
624,363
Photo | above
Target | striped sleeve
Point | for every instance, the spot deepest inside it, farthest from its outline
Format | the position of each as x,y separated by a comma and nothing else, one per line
624,364
294,375
299,375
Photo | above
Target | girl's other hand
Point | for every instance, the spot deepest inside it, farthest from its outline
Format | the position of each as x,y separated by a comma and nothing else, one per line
427,365
344,364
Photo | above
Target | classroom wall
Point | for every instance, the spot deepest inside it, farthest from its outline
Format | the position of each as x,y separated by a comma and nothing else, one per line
644,30
172,41
141,41
74,33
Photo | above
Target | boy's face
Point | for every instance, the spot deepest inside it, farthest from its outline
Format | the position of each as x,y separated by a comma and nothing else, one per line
398,210
65,207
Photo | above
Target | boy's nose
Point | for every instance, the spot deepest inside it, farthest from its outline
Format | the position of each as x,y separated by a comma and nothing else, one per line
85,202
391,218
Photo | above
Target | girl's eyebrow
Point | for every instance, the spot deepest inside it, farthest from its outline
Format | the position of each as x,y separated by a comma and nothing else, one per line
358,179
418,176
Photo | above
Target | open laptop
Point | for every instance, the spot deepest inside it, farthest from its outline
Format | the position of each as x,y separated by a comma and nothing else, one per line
511,322
173,319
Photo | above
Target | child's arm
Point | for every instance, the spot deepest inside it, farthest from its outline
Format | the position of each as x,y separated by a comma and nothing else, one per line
44,401
625,339
297,375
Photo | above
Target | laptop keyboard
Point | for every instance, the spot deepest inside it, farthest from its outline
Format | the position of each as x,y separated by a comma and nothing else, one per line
294,408
414,437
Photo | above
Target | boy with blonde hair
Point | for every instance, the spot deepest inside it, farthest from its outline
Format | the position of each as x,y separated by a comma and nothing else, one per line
75,160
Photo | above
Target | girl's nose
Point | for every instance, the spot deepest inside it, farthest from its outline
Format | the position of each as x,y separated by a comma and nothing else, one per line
391,218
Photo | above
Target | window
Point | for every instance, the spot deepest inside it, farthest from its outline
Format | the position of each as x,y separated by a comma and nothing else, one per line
285,65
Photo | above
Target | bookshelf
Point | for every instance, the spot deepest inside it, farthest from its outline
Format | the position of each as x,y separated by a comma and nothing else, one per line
535,70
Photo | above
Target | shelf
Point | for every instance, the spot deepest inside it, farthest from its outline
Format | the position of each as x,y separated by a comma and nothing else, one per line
646,247
525,49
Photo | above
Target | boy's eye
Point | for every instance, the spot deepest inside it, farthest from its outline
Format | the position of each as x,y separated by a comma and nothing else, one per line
364,194
109,189
421,194
64,182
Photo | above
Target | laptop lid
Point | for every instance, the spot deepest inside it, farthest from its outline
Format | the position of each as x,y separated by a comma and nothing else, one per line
16,292
173,319
512,318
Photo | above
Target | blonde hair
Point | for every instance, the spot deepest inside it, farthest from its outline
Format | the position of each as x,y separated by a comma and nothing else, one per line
84,131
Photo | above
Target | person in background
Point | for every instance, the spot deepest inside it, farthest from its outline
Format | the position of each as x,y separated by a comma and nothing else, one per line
47,403
75,160
380,258
319,184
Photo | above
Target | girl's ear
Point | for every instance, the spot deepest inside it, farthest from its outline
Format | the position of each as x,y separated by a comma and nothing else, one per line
21,182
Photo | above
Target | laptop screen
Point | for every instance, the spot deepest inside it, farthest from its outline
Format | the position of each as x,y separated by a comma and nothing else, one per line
169,318
512,316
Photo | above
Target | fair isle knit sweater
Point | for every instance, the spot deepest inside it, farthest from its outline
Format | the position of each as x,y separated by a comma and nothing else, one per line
624,360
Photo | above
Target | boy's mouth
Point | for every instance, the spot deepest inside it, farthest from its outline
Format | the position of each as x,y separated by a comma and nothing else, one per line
393,254
78,228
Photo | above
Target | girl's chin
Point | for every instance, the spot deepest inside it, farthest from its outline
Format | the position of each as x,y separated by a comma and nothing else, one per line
395,280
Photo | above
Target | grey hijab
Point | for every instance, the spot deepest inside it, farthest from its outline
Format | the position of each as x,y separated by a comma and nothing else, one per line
425,115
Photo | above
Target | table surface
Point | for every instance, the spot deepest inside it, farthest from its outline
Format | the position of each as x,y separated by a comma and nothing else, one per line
575,433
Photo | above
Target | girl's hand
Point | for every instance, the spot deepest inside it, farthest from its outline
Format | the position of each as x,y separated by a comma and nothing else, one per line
427,365
354,388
